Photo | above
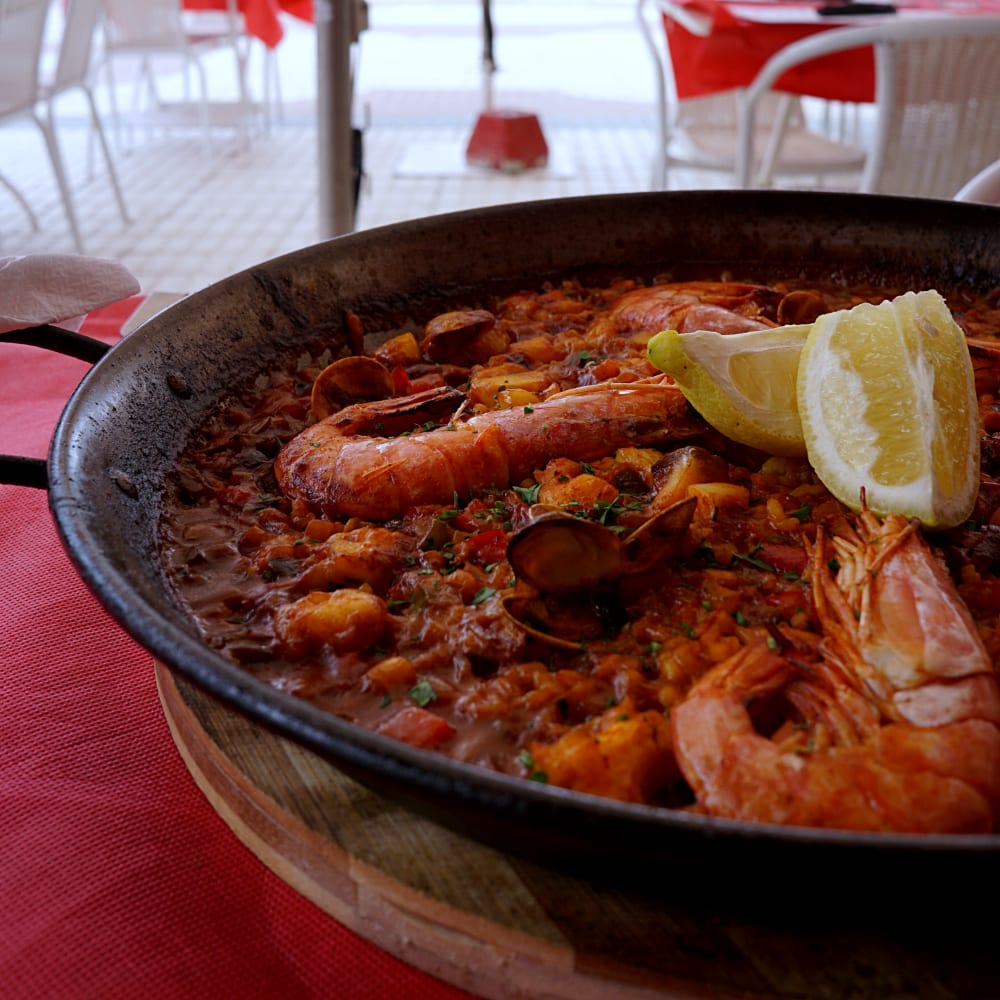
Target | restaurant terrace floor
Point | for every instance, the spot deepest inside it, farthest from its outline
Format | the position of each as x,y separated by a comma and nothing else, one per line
201,211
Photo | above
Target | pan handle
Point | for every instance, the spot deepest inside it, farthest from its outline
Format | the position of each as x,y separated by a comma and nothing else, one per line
55,338
18,471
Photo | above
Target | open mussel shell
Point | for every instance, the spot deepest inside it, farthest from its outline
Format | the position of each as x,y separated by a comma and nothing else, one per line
557,553
354,379
658,538
801,306
537,620
465,337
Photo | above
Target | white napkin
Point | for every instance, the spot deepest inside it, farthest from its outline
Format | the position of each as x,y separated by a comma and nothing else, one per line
58,288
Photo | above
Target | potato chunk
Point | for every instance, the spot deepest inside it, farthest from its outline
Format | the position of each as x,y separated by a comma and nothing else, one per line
344,621
620,756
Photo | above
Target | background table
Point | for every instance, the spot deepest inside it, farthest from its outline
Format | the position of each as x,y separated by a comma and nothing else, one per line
118,879
744,34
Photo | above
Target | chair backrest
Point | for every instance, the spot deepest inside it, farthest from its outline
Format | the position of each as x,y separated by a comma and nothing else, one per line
22,31
77,44
937,100
698,131
984,187
144,24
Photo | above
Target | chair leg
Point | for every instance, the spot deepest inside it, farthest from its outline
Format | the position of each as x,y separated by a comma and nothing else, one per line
770,158
193,62
245,104
658,174
102,140
112,83
22,201
48,130
272,77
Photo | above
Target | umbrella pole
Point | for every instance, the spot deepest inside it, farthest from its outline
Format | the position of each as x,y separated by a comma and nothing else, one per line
333,114
489,63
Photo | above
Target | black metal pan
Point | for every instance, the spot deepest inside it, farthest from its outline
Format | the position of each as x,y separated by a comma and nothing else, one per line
121,432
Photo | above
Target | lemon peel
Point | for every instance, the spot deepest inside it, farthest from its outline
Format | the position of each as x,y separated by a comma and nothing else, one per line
743,384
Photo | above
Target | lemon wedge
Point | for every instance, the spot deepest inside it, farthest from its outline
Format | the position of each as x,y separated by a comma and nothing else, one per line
743,384
887,402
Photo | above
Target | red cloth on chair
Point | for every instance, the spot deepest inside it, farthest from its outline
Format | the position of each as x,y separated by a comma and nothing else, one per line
262,16
735,50
118,879
302,9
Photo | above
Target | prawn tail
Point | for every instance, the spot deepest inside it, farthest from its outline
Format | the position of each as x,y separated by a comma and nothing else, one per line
712,729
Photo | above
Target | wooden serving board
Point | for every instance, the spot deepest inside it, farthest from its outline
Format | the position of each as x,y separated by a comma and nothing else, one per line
500,927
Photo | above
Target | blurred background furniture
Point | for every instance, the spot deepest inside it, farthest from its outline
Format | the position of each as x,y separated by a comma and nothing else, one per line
159,39
15,193
27,90
258,24
698,89
984,187
937,100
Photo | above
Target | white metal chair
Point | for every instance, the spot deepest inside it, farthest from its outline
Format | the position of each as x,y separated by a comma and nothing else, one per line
937,100
24,92
231,22
156,34
984,187
702,132
21,200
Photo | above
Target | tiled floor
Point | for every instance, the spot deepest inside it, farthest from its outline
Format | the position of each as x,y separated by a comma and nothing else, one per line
198,216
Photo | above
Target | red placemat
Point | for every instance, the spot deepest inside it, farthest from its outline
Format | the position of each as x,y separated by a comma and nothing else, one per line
118,879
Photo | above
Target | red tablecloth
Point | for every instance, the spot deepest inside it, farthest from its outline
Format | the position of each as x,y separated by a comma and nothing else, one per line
741,40
736,48
117,878
263,17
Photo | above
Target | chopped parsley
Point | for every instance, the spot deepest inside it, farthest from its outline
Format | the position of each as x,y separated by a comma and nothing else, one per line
534,774
529,494
422,693
751,559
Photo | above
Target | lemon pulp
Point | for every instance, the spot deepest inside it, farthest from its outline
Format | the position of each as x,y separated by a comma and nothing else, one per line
887,403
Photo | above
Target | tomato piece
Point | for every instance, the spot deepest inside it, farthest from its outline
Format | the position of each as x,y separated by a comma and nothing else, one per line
784,558
487,547
401,382
239,495
465,521
418,727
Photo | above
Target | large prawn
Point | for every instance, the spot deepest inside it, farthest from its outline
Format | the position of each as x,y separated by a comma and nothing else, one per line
722,306
895,729
335,465
346,463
